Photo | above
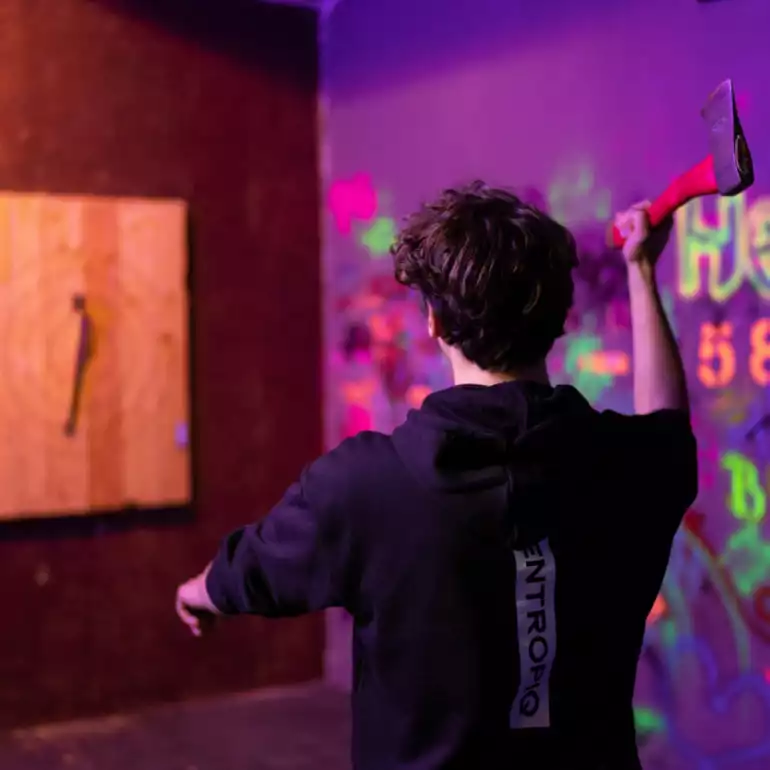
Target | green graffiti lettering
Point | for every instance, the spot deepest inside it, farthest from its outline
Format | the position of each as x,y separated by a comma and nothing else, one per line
669,633
759,229
578,349
737,235
379,237
700,241
746,498
573,198
648,720
747,555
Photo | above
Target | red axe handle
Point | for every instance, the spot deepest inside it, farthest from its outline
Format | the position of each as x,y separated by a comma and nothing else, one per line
699,180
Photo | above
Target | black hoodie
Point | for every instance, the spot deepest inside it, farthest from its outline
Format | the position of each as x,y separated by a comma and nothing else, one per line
499,553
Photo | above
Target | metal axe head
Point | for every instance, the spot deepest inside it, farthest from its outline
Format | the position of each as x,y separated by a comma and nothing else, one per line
733,168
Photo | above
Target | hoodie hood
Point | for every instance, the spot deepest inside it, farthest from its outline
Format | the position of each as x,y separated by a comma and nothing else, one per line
471,437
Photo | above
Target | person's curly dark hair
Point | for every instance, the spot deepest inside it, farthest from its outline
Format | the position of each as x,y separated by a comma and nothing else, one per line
496,272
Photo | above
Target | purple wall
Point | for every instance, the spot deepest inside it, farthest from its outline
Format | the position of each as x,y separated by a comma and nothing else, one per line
589,107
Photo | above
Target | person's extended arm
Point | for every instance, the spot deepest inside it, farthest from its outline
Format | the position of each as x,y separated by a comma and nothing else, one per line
295,560
659,378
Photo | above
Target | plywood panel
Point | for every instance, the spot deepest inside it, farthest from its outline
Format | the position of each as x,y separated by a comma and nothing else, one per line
94,366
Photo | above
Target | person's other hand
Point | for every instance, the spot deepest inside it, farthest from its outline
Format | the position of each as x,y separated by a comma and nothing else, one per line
194,606
642,244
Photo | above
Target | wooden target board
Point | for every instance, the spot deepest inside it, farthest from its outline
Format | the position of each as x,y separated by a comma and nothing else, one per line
94,362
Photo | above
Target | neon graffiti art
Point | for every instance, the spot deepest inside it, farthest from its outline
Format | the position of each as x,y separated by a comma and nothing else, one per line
615,363
574,198
580,349
716,367
747,500
732,408
747,555
733,245
717,364
759,342
352,199
705,703
587,364
648,721
695,567
379,237
744,696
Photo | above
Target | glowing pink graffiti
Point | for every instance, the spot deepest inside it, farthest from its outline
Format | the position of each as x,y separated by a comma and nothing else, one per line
357,419
351,199
659,610
416,394
358,397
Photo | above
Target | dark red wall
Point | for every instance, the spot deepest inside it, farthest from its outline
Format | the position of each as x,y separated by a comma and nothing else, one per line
213,102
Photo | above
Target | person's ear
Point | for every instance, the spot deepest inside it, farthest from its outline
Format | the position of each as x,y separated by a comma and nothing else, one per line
433,327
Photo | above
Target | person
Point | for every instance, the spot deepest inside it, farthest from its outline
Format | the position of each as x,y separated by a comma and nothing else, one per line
500,551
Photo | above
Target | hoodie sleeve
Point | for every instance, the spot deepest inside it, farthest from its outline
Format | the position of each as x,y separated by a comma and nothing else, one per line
657,453
295,560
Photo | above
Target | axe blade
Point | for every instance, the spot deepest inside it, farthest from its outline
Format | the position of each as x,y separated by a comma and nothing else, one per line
733,167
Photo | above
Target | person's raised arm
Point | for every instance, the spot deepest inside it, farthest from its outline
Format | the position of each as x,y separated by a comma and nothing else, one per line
658,372
657,443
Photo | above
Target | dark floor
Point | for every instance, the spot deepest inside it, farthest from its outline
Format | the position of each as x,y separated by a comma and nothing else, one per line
298,729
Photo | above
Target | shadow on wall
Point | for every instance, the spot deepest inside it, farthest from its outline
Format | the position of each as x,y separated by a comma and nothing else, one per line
250,42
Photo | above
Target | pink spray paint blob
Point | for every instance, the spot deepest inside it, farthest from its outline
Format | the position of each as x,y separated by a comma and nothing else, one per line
352,199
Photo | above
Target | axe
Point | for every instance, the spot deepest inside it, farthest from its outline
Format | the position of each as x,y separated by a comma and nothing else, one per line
726,170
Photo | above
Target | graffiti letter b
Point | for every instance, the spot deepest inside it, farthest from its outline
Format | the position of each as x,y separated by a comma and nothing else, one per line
746,499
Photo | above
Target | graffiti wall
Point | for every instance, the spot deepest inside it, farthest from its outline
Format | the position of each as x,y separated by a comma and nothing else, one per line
421,120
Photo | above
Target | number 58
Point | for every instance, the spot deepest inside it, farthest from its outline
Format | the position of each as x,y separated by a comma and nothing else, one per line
716,354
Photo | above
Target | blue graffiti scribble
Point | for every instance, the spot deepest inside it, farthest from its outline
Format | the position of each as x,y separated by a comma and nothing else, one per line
692,569
719,700
685,568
